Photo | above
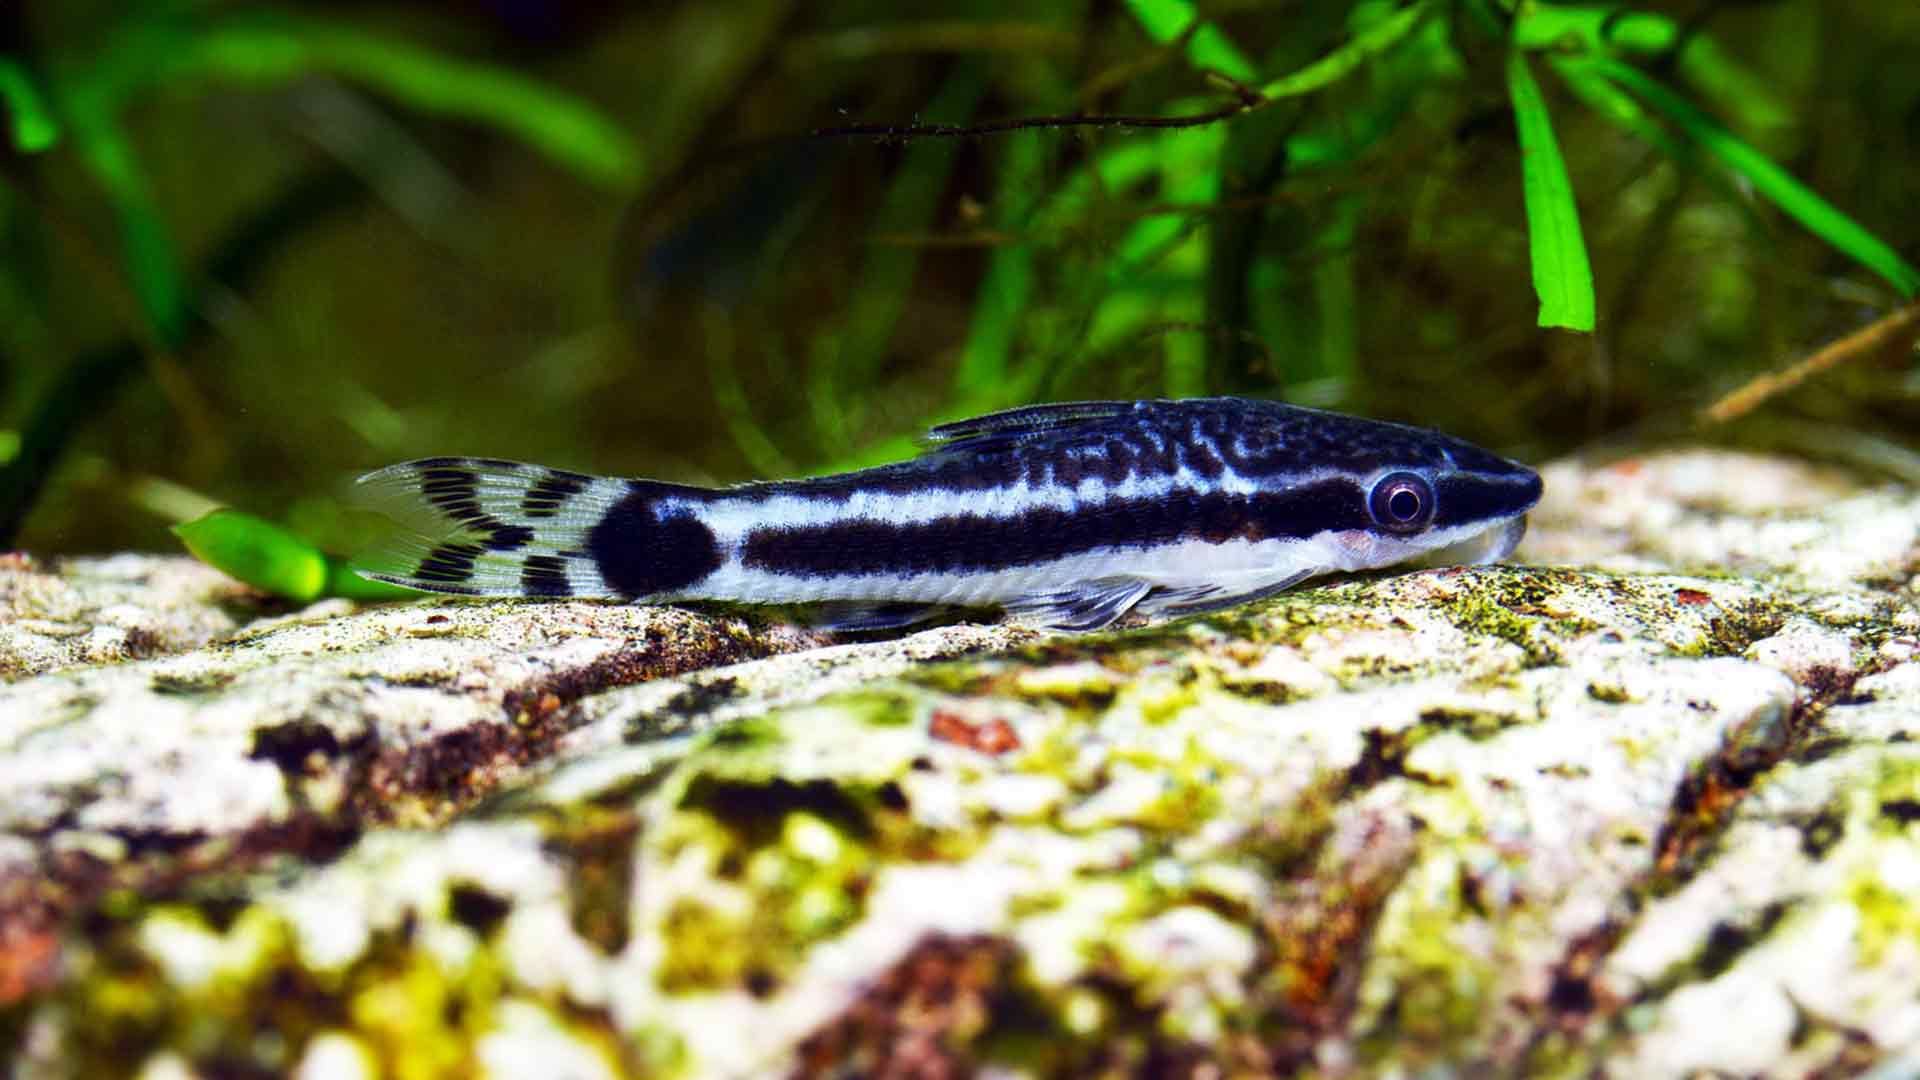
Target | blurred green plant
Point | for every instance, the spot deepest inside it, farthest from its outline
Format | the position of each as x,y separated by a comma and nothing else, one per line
274,560
1152,279
1331,203
80,100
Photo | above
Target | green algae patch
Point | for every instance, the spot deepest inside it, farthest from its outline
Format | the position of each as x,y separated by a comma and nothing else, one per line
1523,608
1887,917
171,979
1424,993
767,902
1896,792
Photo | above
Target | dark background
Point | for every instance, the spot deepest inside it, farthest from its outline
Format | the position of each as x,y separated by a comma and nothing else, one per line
275,246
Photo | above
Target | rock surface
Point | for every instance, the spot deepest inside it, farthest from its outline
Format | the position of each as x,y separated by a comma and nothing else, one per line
1536,819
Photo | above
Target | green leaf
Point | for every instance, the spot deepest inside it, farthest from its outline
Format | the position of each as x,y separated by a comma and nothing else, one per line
1008,286
32,125
1337,64
1207,47
1778,186
1615,104
256,552
840,387
1626,113
153,263
1606,29
271,559
570,132
1561,274
274,49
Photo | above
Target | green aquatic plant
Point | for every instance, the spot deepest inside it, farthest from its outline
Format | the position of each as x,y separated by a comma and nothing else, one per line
1182,271
843,223
274,560
76,103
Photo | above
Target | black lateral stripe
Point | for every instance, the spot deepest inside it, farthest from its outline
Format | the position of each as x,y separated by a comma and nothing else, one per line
544,575
966,542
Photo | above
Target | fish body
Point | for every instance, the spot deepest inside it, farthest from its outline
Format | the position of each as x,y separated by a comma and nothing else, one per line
1067,515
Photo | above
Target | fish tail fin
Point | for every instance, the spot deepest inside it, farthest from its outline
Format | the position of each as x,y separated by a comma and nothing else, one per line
483,527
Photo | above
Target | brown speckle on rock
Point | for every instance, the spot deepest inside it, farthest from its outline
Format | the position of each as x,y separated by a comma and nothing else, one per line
919,1017
994,737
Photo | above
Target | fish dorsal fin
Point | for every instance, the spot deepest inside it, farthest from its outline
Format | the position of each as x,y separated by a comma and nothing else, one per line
996,431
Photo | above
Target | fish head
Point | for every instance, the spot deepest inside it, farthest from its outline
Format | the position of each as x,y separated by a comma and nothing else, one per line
1386,494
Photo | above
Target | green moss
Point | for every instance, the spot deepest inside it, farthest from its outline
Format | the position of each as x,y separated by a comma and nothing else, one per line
1733,629
420,1019
749,732
1440,988
782,884
1475,724
1886,916
706,950
880,708
1190,795
1288,619
1161,699
1514,607
960,678
1609,693
416,1018
191,685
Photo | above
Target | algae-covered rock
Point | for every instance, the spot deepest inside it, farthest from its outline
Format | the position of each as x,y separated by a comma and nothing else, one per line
1545,819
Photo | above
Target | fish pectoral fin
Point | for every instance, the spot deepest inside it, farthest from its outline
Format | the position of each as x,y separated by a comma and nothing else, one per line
1083,606
863,617
1212,597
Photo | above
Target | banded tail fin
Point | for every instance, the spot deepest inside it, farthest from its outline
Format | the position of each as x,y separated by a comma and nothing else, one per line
481,527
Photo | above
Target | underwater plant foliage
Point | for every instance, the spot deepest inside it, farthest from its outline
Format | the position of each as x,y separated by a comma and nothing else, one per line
248,251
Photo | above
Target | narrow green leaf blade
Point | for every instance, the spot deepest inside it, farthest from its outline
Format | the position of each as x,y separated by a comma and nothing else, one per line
269,49
1562,276
1778,186
1207,47
1573,30
257,552
30,121
1337,64
271,559
152,260
1008,287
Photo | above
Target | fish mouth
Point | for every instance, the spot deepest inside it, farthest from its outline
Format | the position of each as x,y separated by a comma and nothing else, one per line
1490,545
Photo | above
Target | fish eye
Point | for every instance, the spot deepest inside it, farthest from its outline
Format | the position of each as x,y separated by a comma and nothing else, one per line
1401,502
